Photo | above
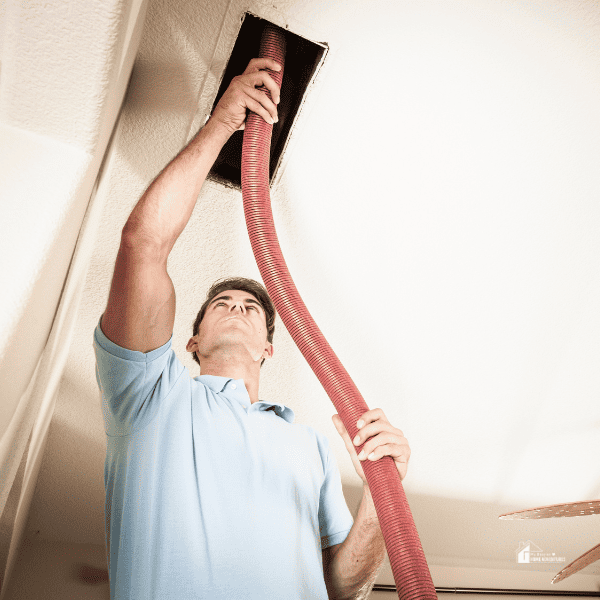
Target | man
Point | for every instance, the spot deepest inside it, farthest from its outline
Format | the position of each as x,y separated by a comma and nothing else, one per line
210,492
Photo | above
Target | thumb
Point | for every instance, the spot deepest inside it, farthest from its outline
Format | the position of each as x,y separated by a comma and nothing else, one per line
337,421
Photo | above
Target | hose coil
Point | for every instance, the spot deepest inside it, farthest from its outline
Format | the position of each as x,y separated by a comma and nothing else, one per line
411,573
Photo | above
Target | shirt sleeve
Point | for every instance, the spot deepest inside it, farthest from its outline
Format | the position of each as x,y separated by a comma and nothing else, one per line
132,384
335,519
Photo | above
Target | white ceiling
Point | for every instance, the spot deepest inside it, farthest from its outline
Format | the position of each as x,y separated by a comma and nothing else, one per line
439,213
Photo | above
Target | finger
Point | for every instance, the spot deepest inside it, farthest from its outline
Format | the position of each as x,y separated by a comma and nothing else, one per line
260,79
341,429
271,85
397,451
336,421
346,438
258,108
370,416
368,432
382,439
261,97
256,64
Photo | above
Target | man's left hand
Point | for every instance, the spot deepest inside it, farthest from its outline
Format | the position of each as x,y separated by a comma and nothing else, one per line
382,439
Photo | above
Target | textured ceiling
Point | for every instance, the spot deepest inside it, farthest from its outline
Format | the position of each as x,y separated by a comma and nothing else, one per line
438,211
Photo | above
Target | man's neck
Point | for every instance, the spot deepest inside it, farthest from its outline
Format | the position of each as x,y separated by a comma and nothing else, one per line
236,372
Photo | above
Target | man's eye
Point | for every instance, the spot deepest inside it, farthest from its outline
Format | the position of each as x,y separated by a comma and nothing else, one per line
223,303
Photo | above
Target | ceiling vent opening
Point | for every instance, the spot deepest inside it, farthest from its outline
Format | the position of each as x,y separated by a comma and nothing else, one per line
302,57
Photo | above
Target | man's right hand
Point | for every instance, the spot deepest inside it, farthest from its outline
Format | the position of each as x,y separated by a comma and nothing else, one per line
242,94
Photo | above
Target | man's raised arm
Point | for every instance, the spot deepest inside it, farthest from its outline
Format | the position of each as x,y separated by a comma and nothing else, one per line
141,305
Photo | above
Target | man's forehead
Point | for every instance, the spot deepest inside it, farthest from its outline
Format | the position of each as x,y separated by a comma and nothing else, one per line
238,295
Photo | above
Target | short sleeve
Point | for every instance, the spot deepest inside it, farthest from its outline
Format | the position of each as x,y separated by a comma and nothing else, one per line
335,519
132,384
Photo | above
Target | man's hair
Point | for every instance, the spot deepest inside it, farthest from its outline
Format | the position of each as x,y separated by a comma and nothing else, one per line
244,285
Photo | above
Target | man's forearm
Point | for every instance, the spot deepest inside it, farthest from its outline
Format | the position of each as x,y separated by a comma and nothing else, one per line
355,566
164,210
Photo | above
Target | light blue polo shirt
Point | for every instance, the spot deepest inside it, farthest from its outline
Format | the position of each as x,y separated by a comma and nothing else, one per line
207,495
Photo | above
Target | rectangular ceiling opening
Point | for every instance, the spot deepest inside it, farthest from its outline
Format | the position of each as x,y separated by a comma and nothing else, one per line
302,58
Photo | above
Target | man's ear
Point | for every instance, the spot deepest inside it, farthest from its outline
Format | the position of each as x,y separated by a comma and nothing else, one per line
269,350
191,343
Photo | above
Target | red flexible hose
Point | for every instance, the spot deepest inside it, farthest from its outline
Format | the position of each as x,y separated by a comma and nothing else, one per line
411,574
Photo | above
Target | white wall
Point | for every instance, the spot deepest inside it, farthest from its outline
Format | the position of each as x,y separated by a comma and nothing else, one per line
65,68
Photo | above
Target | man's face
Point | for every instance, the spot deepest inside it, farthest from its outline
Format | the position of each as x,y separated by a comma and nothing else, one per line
234,324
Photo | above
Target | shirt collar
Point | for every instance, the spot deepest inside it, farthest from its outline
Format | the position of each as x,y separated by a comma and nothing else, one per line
223,385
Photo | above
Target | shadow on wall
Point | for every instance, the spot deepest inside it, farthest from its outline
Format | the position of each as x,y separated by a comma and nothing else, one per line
470,534
9,514
160,87
59,570
157,92
73,454
467,545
